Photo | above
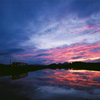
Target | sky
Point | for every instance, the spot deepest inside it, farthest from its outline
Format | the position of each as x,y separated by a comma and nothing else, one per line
49,31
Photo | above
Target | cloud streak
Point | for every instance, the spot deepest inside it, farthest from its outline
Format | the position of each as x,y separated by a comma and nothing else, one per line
11,51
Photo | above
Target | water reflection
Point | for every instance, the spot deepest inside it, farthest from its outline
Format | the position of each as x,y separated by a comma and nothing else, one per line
70,84
83,78
72,77
13,77
59,84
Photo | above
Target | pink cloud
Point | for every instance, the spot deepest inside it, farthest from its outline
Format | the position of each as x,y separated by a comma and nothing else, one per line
75,52
82,29
67,53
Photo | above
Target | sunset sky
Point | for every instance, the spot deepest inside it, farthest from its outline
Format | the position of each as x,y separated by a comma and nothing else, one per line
49,31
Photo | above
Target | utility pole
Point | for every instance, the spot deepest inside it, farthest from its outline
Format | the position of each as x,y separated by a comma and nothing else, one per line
10,66
10,61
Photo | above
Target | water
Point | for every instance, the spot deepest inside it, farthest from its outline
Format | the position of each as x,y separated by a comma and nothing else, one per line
59,84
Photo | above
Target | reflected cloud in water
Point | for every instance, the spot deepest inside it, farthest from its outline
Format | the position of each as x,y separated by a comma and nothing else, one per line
60,84
70,84
83,78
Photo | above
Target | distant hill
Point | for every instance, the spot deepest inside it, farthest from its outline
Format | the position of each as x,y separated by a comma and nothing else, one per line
65,63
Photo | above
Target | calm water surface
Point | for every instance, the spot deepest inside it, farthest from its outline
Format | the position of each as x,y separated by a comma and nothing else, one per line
59,84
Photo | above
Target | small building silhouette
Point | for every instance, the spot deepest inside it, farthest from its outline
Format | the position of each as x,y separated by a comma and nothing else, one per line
19,64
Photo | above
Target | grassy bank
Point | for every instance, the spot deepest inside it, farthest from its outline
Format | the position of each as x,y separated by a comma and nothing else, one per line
7,70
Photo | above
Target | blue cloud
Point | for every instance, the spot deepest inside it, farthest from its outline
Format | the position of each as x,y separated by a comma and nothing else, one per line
43,54
91,22
11,51
82,53
35,60
85,8
76,57
95,49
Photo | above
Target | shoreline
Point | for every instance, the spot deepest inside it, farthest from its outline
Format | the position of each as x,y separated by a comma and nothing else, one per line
8,70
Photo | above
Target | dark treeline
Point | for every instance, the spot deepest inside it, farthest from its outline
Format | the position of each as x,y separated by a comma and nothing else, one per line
77,65
8,70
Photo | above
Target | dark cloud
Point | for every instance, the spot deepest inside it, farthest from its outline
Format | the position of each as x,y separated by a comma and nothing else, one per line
43,54
82,53
63,46
16,14
76,57
91,22
85,8
95,49
14,17
10,51
19,11
35,60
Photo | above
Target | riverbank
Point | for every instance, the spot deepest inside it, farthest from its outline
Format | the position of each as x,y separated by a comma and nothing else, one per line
8,70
